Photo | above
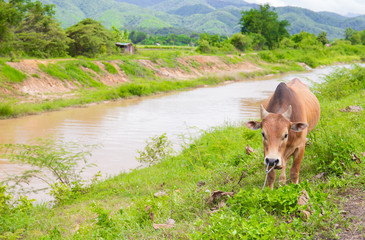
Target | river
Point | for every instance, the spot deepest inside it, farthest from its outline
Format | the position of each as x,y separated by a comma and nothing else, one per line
122,127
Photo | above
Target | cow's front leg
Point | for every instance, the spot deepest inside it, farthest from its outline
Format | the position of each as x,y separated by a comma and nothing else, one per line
297,160
271,178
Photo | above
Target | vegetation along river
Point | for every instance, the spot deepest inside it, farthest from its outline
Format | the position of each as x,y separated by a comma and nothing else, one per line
123,127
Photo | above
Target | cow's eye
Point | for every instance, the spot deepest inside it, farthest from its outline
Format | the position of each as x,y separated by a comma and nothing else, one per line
263,135
285,136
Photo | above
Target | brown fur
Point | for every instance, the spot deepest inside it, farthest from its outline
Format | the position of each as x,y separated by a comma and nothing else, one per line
304,117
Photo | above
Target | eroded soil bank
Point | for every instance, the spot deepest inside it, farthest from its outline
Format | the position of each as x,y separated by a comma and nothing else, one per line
58,78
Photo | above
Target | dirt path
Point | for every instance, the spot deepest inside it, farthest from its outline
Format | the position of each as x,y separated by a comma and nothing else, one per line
354,210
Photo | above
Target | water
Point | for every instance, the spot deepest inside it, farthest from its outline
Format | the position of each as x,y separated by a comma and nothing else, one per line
123,127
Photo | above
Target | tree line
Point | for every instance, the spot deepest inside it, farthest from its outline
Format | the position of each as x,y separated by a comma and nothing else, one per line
29,29
261,30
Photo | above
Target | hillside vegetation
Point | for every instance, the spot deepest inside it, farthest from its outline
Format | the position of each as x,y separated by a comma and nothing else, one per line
212,16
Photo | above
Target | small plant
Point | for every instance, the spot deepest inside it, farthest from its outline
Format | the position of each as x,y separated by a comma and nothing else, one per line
158,148
64,160
35,75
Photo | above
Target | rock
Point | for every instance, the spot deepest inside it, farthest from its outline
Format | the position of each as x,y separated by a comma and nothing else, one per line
352,109
303,198
218,194
249,149
160,194
169,224
306,214
170,221
200,183
319,175
305,66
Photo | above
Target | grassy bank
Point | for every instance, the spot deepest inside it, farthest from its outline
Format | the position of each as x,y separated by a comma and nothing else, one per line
85,74
125,206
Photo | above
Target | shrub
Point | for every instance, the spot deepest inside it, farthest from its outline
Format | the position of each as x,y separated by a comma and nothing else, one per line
241,42
155,150
342,82
61,159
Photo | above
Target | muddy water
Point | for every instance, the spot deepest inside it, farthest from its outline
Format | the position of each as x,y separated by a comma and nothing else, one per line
122,127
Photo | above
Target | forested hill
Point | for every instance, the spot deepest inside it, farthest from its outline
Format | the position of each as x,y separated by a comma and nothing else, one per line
213,16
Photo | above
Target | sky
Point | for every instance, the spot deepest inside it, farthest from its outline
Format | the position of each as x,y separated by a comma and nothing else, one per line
343,7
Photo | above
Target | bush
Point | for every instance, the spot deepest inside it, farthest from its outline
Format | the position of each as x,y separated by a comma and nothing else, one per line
342,82
241,42
158,148
61,159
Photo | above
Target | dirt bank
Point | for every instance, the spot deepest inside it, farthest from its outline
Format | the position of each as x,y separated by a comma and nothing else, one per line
40,84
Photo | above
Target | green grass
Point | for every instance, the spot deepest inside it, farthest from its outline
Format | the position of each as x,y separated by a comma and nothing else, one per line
70,70
315,57
121,207
10,74
110,68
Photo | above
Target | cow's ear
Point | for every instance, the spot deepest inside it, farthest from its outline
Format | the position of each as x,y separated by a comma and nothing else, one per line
253,125
298,126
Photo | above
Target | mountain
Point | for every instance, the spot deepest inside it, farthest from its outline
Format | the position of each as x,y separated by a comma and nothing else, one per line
213,16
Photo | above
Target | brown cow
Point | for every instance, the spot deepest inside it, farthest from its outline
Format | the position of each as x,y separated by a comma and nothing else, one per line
288,115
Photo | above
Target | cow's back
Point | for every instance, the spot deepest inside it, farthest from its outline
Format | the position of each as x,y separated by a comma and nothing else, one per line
305,106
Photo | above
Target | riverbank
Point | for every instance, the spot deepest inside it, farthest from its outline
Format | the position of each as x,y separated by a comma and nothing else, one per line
32,86
180,187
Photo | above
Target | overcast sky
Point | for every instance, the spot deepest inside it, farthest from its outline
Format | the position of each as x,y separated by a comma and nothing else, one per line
342,7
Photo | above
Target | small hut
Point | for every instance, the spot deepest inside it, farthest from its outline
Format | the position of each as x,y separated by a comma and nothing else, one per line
126,47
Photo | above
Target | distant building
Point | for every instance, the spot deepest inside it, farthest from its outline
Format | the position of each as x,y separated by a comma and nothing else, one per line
125,47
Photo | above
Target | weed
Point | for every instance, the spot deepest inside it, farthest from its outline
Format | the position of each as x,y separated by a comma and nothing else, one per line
61,159
35,75
158,148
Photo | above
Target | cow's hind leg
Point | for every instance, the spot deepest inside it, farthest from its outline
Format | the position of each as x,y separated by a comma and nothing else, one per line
297,160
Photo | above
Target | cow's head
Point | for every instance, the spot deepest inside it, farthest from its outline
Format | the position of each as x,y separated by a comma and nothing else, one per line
277,130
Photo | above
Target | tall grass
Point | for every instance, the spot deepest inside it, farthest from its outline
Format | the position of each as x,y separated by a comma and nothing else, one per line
11,74
70,70
110,68
315,57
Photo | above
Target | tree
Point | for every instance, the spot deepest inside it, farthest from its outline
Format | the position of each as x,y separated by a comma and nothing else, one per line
90,38
39,34
265,22
120,36
322,37
137,36
348,33
11,13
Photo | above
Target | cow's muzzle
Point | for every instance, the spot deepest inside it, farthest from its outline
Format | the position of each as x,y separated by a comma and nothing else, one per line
272,161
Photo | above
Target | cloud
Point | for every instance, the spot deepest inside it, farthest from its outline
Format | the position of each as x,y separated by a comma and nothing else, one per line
338,6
